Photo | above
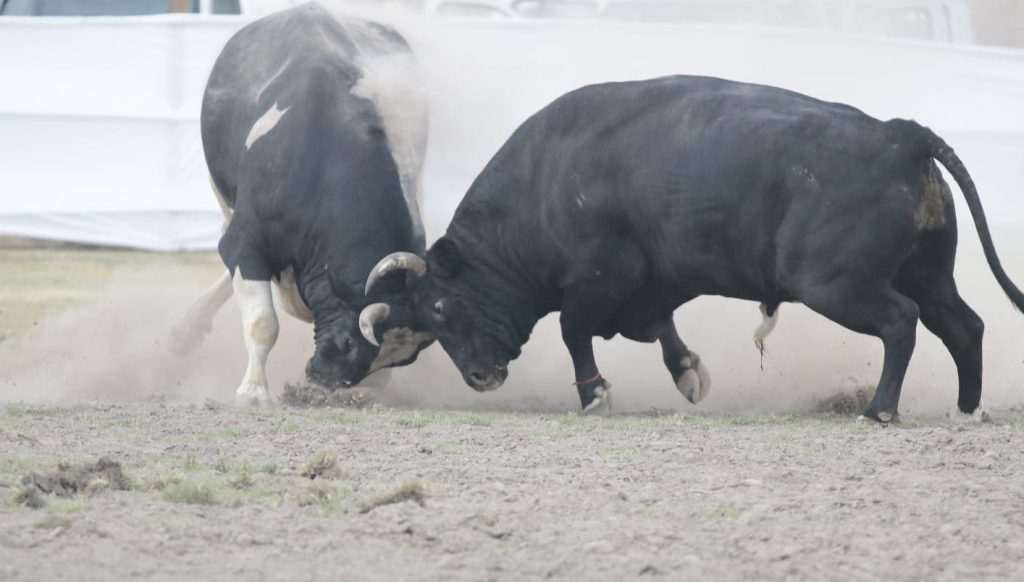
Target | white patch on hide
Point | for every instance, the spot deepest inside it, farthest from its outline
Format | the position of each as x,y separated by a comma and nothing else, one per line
391,83
286,295
979,415
397,345
264,124
695,383
272,79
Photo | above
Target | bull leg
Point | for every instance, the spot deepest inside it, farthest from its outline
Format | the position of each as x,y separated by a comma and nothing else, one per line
873,308
260,328
597,290
688,372
198,320
946,315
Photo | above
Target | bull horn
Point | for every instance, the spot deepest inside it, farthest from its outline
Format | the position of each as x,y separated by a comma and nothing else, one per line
413,264
370,316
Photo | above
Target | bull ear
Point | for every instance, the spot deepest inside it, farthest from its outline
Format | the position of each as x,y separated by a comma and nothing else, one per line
443,259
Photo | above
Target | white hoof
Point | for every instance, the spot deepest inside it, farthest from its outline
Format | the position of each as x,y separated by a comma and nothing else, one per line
695,383
252,395
979,415
602,403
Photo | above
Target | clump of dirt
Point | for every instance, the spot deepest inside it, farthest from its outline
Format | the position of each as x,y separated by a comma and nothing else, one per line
29,496
304,395
323,464
410,491
846,402
88,478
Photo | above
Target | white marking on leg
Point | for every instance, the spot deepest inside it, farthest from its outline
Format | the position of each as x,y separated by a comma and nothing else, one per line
264,124
766,327
287,296
602,403
695,382
259,329
198,320
398,345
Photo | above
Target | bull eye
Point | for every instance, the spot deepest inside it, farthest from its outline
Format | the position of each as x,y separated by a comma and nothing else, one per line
344,344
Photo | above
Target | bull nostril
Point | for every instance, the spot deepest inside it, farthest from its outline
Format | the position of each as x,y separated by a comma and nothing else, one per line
478,377
344,344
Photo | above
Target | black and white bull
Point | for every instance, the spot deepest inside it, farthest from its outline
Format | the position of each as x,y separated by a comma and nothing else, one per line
619,202
314,137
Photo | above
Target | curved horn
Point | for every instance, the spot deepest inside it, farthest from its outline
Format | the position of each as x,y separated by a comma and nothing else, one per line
413,264
370,316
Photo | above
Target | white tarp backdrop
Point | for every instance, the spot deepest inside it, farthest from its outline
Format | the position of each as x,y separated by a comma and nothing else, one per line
99,130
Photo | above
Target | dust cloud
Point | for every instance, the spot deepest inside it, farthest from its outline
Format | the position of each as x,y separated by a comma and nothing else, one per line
482,81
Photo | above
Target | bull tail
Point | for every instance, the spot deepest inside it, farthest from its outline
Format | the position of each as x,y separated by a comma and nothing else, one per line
940,151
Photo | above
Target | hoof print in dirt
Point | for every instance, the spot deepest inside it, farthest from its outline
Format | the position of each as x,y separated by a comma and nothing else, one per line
303,395
67,481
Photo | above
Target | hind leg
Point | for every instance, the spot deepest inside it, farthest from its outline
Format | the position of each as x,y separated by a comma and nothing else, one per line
946,315
872,308
198,321
688,372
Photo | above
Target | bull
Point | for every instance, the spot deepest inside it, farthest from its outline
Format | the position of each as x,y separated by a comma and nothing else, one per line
314,139
619,202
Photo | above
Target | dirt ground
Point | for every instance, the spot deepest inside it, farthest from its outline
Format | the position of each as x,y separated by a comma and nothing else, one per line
149,473
218,493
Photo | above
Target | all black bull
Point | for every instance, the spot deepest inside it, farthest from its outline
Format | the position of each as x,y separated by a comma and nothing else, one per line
314,139
619,202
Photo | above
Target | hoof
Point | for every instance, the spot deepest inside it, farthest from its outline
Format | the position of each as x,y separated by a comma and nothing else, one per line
601,405
883,418
979,415
695,383
252,396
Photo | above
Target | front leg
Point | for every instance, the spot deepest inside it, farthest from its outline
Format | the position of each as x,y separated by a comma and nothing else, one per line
691,377
260,328
595,391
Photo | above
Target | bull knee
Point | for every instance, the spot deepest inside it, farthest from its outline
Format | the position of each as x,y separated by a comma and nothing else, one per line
263,328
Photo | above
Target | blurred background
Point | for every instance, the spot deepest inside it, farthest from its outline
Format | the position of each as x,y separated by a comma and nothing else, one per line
99,149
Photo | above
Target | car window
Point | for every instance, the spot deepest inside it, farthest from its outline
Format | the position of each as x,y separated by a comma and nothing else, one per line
96,7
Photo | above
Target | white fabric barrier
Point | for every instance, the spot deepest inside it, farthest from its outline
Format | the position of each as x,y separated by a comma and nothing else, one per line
99,117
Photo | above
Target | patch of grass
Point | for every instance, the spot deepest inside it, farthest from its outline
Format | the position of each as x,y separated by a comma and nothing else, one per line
618,452
322,464
52,521
221,466
230,432
17,411
409,491
191,463
335,417
472,418
29,496
290,428
269,467
446,447
191,492
328,497
414,420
